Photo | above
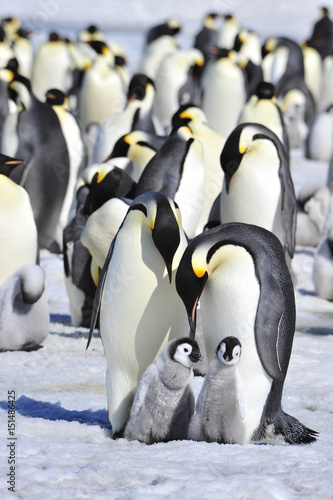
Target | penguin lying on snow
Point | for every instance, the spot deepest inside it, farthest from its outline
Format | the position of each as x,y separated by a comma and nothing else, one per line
239,273
164,403
220,411
24,316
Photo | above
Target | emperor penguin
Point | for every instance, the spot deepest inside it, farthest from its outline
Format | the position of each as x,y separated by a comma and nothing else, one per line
164,402
140,310
257,187
263,108
52,67
171,77
137,114
239,273
91,33
220,414
321,37
171,27
24,52
322,271
312,207
12,168
17,225
228,31
212,143
206,39
155,53
178,170
24,315
318,142
224,92
102,92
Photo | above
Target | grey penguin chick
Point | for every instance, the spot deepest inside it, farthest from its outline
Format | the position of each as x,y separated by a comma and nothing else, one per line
164,403
220,409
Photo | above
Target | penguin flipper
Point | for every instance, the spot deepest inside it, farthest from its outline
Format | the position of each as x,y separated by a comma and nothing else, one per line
147,379
267,327
288,209
99,291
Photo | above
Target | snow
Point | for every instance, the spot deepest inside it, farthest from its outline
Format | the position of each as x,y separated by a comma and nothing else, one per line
63,447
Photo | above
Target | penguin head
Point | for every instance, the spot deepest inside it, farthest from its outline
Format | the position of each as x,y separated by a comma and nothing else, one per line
8,164
229,350
244,139
55,97
122,147
265,90
187,113
185,351
161,215
108,182
139,86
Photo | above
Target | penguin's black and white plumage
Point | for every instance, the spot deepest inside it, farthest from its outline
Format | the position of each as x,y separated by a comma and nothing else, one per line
140,310
177,169
228,31
322,271
170,27
258,188
220,409
24,315
318,142
17,225
164,402
225,92
239,273
136,115
263,108
206,39
322,34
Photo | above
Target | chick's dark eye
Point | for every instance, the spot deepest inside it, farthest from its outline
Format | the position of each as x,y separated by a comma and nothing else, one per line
186,350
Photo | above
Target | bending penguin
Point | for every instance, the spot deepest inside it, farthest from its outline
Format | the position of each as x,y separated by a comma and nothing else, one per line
140,310
239,273
164,403
220,412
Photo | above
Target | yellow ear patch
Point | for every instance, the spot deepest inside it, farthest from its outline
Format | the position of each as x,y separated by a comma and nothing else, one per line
242,148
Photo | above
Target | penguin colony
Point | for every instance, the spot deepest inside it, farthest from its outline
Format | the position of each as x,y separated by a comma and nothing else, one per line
169,194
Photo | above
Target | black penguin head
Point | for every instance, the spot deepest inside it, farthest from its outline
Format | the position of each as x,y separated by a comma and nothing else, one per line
99,46
138,86
120,149
107,183
55,97
54,37
265,90
8,164
181,117
229,350
163,217
184,351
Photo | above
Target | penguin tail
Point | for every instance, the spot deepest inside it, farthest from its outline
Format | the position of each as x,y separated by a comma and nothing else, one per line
293,431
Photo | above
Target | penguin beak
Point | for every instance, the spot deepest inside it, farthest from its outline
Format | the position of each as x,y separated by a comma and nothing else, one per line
195,355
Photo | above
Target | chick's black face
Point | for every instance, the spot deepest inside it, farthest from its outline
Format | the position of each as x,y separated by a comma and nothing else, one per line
194,353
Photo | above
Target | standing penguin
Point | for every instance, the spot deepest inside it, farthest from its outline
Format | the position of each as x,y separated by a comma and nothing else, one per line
206,38
258,188
239,273
220,410
164,403
140,310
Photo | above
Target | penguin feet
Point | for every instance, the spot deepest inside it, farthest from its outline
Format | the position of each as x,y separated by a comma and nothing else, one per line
118,435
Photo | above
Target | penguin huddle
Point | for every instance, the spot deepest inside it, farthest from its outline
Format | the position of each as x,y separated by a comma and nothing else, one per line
169,194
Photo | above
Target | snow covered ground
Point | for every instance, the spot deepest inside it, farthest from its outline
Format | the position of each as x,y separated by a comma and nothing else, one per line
63,447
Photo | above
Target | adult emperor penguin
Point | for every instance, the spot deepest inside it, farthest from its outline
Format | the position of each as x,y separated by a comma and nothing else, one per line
178,170
228,31
17,225
220,410
263,108
224,92
258,188
212,143
24,315
322,271
12,168
170,27
206,38
322,34
102,92
140,310
136,115
164,403
318,142
239,273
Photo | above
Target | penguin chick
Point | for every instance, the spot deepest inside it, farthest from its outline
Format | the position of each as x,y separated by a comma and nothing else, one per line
24,317
164,403
220,409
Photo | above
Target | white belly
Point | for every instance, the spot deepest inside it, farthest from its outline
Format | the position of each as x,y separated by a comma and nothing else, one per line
228,307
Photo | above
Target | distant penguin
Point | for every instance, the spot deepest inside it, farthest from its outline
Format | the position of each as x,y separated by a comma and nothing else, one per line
6,76
263,108
24,316
52,67
322,34
322,271
212,143
312,208
164,402
313,71
137,148
178,170
171,77
319,140
224,92
239,273
220,411
24,52
228,31
170,27
140,310
102,92
91,33
326,90
206,39
154,54
137,114
258,188
17,226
